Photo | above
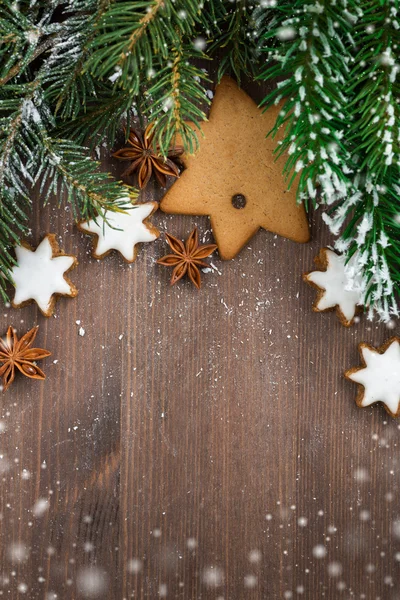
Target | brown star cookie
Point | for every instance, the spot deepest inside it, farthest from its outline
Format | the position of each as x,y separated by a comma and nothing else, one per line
331,282
122,231
234,177
379,376
39,275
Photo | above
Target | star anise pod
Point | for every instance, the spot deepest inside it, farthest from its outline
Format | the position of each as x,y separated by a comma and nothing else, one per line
187,257
146,159
15,353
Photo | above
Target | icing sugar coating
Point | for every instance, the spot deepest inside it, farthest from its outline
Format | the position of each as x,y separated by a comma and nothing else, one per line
380,377
334,282
38,275
122,231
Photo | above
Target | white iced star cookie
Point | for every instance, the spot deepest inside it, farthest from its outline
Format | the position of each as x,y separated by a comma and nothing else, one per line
122,231
379,377
39,275
331,284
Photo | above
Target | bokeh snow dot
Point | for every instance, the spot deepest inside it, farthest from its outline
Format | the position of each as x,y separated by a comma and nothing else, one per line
213,576
92,582
5,464
41,507
191,543
286,33
370,568
134,566
335,569
250,581
319,551
255,556
396,528
17,552
361,474
200,44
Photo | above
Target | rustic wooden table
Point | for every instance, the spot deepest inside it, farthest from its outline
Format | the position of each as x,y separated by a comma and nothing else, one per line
195,445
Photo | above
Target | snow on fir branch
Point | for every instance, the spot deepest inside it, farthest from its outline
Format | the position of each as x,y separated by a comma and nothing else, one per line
337,69
305,46
74,73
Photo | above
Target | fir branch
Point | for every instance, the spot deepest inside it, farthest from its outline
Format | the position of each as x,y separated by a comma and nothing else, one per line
14,174
368,217
102,120
132,34
13,226
143,24
67,171
63,167
174,99
375,108
341,132
18,67
308,46
237,36
21,39
371,237
69,86
12,148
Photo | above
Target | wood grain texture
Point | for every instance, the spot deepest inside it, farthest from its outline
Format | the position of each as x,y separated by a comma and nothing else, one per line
195,445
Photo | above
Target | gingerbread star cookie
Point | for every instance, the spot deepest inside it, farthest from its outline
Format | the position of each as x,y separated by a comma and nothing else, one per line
379,377
333,285
234,176
39,275
122,231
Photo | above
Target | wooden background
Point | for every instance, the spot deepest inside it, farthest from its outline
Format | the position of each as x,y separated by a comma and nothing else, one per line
195,446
